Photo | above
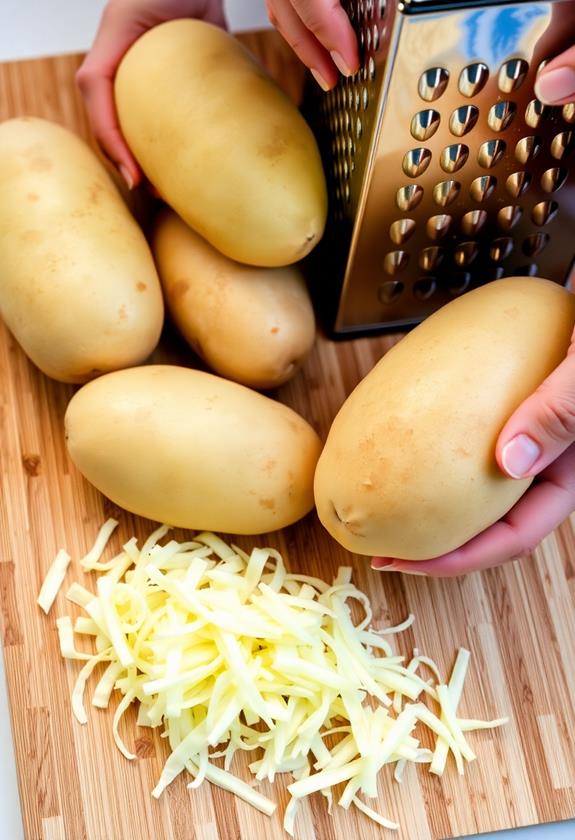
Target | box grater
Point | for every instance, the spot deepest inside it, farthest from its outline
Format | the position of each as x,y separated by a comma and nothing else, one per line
444,170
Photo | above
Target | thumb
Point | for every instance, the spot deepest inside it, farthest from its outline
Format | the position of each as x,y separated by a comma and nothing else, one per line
543,426
555,84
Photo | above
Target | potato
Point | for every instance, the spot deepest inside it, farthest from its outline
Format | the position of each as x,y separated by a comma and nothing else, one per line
79,289
409,470
253,325
222,144
188,448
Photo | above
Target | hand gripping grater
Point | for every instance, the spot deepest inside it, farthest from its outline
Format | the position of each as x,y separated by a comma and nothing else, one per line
444,170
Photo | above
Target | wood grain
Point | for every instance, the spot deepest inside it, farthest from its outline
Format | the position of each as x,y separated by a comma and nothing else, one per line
517,620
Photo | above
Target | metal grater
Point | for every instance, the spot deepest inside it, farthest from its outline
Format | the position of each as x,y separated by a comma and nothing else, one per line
444,170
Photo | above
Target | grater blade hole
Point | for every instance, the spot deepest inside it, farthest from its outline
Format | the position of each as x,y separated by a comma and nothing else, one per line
528,148
562,144
501,115
534,244
438,226
512,75
459,282
463,119
465,253
473,221
454,157
389,291
509,216
535,113
416,161
408,197
473,79
424,124
497,272
395,261
431,257
529,270
432,83
544,212
501,248
401,230
553,179
425,288
490,153
481,188
568,113
518,183
371,68
445,192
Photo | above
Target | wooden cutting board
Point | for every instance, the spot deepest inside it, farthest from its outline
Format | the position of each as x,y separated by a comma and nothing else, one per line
518,620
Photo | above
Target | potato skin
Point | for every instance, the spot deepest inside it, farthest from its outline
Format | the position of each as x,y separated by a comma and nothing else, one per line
253,325
78,288
193,450
222,144
408,470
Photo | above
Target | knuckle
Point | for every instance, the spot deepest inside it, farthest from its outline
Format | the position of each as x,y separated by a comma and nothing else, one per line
84,77
561,417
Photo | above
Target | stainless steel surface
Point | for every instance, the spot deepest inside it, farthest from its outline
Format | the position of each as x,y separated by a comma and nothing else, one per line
444,170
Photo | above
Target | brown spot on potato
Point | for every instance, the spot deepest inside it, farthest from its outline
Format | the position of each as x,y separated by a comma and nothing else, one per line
276,147
511,312
94,192
268,504
122,314
31,464
32,196
30,236
461,452
269,465
40,164
141,287
179,289
274,330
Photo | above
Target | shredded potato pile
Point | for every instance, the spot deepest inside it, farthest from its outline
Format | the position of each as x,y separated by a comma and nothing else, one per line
213,643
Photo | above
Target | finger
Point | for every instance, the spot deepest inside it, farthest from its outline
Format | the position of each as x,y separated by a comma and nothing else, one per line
303,42
542,427
332,28
95,79
555,84
535,515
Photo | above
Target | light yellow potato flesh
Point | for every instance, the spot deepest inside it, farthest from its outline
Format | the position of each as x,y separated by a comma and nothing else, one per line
78,285
222,144
408,470
191,449
253,325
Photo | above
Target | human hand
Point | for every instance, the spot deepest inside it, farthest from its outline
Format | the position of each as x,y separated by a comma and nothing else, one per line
321,35
538,440
122,23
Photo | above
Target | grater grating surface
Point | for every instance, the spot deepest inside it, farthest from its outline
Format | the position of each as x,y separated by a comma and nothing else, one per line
444,170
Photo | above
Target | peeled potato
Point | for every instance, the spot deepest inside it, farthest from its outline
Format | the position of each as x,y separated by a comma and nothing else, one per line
78,289
190,449
253,325
222,144
408,470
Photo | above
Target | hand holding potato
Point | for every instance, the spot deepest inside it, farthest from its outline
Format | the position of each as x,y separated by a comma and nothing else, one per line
538,440
123,21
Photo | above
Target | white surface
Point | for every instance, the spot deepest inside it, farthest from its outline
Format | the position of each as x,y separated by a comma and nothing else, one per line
32,28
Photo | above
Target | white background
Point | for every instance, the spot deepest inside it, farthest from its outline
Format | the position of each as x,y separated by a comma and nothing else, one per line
33,28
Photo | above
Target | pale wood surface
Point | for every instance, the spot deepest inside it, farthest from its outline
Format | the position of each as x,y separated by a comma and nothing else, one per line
518,621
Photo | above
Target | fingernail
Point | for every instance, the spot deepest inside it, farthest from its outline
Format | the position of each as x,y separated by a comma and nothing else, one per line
341,63
412,572
555,85
519,455
389,568
320,79
124,172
